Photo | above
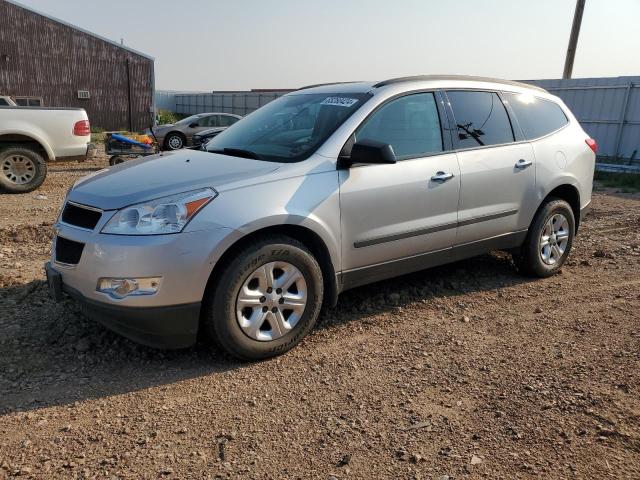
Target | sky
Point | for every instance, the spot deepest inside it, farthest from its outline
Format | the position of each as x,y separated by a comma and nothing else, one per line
205,45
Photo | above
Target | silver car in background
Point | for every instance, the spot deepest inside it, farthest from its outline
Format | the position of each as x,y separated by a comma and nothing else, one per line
175,136
322,190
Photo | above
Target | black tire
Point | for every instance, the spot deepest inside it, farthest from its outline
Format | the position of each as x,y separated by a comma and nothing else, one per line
175,141
529,259
220,323
115,160
33,172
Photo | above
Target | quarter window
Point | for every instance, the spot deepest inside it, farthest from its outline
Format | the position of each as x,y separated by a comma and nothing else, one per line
537,117
410,124
480,118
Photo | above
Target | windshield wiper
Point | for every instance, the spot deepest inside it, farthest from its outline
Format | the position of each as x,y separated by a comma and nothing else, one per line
238,152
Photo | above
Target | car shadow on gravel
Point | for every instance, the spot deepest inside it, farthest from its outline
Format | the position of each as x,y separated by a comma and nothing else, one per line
484,273
53,355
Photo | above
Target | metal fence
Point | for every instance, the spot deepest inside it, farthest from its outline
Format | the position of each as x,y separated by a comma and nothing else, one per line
239,103
166,99
608,108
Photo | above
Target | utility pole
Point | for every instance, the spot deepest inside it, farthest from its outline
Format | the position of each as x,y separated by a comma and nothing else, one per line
573,39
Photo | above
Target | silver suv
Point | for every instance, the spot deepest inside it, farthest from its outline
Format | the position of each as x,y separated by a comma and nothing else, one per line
322,190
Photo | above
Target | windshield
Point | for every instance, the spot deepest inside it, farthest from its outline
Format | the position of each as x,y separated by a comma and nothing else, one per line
290,128
188,120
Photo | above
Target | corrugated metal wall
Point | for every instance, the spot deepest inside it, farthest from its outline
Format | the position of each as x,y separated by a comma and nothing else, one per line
239,103
45,58
608,109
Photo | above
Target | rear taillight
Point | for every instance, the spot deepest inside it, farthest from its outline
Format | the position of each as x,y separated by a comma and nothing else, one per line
593,145
81,128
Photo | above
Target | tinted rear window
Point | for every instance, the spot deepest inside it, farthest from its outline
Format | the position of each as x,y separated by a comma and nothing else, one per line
537,117
481,119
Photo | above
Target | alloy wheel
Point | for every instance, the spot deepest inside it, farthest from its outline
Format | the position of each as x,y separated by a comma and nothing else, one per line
271,301
175,142
554,239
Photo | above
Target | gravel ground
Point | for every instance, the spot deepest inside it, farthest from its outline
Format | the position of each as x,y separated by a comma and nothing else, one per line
464,371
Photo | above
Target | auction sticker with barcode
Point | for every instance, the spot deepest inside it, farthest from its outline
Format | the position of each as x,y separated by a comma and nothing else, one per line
339,101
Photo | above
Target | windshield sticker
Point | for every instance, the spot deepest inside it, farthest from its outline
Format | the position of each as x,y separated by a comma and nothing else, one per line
339,101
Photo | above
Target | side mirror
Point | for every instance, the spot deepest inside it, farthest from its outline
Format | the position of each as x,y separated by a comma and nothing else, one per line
193,125
369,151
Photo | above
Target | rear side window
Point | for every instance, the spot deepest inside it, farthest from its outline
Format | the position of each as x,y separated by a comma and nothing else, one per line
28,101
537,117
481,119
3,102
410,124
227,120
209,121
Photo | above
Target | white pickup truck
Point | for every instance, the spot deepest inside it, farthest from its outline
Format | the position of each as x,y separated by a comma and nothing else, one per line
32,136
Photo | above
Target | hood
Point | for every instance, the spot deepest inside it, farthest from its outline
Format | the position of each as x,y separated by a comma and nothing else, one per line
160,175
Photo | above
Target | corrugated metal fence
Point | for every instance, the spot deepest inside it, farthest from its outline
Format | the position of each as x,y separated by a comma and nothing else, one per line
239,103
608,109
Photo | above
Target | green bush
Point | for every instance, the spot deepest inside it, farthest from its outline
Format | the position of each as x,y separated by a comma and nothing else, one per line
627,182
165,116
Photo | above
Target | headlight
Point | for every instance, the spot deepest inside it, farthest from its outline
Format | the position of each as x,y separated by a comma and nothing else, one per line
160,216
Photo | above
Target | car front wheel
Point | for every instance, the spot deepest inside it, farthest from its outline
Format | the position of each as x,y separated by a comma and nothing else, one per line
174,141
266,300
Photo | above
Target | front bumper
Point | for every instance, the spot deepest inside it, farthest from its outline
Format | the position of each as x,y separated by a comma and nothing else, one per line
173,326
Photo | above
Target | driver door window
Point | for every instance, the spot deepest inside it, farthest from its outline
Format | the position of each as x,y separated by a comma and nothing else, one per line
410,124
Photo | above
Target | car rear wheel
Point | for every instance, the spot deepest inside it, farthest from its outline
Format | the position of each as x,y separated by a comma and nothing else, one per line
266,300
548,241
174,141
22,169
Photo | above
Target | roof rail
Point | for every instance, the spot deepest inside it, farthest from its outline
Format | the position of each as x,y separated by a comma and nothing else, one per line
325,84
455,77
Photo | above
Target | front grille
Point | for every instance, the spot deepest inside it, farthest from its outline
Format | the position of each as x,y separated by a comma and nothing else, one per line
80,216
68,251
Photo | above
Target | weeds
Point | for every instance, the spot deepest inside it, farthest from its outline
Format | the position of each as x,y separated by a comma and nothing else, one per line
626,182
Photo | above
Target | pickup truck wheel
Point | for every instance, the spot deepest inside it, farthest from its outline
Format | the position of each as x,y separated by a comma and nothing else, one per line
22,169
174,141
548,241
266,300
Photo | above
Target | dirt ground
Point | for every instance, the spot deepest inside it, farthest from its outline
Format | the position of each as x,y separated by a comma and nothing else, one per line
464,371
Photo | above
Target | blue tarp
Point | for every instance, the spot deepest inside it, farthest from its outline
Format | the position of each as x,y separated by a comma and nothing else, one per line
128,140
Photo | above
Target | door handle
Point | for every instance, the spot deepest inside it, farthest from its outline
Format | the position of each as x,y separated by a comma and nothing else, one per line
522,163
442,177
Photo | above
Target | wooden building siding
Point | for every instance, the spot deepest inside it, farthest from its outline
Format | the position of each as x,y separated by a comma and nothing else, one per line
41,57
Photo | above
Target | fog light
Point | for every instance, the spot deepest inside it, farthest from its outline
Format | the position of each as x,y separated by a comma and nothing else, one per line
125,287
